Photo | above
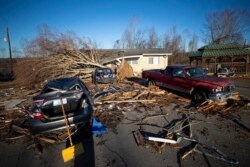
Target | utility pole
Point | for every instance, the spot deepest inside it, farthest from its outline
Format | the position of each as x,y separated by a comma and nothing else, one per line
8,40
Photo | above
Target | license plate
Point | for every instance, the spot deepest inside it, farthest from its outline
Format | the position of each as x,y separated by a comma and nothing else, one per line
58,102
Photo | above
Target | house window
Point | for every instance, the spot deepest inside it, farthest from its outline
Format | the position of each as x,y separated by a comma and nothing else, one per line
132,61
153,60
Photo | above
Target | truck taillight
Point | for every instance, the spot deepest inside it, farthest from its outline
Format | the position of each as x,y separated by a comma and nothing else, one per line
37,114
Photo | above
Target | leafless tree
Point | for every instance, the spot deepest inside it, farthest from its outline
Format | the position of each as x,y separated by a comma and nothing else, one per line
129,33
193,43
227,26
88,43
117,44
133,37
139,39
91,47
59,55
172,41
153,38
68,40
46,39
31,48
49,41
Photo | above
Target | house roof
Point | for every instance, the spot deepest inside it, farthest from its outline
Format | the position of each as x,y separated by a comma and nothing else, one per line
221,50
131,52
111,54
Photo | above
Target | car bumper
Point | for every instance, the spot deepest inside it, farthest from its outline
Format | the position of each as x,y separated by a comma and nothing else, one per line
220,96
37,126
106,80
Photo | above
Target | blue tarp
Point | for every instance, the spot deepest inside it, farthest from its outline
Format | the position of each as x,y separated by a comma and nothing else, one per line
98,128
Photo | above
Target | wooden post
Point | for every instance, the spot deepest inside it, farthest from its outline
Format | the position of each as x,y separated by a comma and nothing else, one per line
8,40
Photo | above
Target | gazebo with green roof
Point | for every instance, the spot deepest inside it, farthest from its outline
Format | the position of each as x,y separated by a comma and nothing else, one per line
227,55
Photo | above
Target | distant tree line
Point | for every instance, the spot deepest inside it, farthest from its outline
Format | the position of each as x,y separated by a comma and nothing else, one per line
227,26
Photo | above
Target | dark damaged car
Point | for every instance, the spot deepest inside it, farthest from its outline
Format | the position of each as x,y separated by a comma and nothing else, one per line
46,114
103,75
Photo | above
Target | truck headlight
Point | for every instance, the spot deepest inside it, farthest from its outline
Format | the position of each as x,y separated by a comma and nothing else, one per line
216,90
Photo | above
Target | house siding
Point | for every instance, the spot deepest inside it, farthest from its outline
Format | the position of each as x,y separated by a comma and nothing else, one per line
143,64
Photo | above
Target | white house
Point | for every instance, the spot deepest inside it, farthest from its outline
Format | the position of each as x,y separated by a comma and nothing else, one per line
140,59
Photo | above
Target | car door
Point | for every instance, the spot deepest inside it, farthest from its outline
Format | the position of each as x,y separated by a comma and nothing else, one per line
166,78
180,81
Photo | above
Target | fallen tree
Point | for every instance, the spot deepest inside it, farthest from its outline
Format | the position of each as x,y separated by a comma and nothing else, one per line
67,63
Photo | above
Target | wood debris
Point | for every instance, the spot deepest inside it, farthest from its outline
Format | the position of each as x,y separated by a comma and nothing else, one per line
232,104
130,101
47,140
2,106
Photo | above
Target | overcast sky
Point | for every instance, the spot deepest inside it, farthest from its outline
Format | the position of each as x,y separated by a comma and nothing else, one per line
105,20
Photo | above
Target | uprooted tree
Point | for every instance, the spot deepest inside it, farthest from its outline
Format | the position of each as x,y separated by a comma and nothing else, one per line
52,54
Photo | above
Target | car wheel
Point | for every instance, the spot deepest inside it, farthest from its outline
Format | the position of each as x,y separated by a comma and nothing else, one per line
151,82
199,96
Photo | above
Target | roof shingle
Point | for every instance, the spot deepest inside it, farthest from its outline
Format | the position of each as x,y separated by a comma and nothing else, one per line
221,50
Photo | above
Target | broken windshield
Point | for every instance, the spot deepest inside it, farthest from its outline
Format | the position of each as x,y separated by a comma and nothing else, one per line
102,72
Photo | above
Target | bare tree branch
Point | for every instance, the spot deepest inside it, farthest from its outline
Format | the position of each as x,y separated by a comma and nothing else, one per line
227,26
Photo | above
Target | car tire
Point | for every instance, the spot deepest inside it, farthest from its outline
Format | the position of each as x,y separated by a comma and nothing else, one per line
151,82
199,96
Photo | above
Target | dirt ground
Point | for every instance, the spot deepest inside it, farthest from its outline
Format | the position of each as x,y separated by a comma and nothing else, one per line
228,133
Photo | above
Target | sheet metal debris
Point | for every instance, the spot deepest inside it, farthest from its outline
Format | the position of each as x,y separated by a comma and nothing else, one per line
167,136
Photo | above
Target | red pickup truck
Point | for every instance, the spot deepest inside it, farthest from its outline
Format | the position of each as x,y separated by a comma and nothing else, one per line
191,80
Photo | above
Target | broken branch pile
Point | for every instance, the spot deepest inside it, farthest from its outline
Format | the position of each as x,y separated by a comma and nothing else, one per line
111,103
67,63
235,103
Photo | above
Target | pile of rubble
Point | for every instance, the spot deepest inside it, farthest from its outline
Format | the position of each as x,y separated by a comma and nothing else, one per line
234,104
119,102
178,134
114,103
111,103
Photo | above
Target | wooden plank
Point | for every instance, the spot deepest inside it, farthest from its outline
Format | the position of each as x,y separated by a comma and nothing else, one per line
130,101
47,140
2,106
